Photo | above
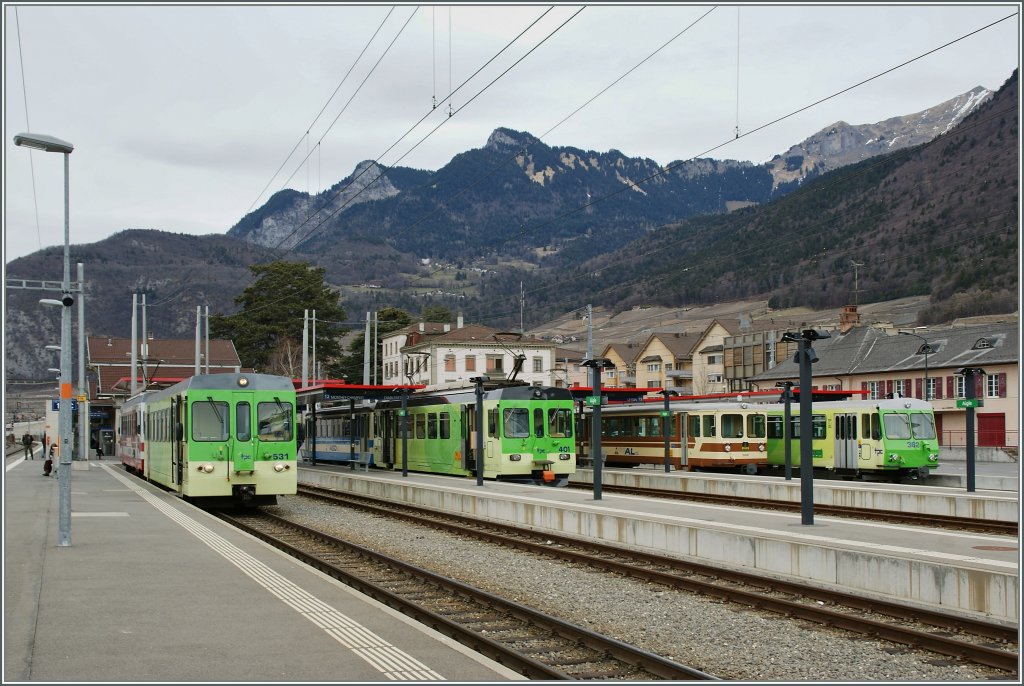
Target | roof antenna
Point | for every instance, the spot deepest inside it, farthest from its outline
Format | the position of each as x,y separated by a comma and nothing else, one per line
856,291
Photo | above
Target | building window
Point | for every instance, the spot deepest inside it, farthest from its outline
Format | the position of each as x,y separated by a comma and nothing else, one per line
958,387
654,367
900,389
538,365
610,374
449,363
714,359
668,366
495,364
875,390
832,387
470,363
992,386
929,391
715,378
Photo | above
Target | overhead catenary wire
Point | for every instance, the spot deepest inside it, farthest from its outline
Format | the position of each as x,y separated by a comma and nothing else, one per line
28,127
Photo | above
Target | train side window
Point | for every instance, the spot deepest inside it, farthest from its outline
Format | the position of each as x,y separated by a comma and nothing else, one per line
709,426
432,426
794,426
209,421
516,423
538,422
421,426
243,423
654,427
560,423
732,426
865,426
492,422
693,425
756,426
818,426
445,422
776,427
923,425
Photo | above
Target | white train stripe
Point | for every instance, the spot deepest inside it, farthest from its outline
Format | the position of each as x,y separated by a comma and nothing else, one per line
392,662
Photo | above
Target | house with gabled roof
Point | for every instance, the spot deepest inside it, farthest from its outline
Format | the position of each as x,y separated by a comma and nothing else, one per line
623,356
665,360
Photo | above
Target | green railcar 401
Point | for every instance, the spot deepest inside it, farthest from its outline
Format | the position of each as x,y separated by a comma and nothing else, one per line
217,439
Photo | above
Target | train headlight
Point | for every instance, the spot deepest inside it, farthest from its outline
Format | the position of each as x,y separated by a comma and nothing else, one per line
280,466
894,457
563,456
760,447
933,457
728,448
207,467
515,457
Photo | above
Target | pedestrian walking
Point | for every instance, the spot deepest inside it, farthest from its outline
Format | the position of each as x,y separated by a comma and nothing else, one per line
26,442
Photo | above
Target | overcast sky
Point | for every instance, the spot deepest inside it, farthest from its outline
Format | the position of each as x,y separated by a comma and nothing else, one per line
181,115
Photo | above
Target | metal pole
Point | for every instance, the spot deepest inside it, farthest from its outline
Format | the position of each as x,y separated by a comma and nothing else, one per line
64,413
83,386
366,352
144,347
787,438
969,395
666,424
403,416
595,429
375,342
305,346
199,324
313,371
135,344
206,316
806,457
479,431
351,433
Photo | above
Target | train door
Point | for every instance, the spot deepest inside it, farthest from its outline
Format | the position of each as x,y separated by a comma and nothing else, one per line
468,437
845,441
242,448
177,456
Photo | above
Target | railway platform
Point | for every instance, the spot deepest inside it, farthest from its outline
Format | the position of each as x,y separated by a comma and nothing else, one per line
964,574
152,589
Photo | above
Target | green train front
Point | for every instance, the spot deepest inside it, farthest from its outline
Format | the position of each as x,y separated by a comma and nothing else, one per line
224,438
527,434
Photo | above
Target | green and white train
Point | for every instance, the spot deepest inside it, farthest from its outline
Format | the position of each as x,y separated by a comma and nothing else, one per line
528,434
216,439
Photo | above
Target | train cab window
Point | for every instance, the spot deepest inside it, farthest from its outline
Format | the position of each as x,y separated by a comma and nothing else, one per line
432,426
896,426
709,426
756,426
274,421
732,426
516,423
923,425
209,421
693,425
444,421
538,422
243,422
421,426
560,423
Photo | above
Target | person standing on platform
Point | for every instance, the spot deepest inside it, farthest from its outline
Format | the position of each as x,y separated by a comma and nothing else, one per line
26,441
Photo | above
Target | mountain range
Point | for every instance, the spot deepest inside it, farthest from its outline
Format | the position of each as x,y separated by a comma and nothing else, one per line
581,226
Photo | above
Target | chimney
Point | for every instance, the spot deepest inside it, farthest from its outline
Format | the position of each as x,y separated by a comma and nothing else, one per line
422,327
848,318
447,328
458,322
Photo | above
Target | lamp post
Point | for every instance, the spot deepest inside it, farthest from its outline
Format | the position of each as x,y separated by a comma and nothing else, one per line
666,426
596,365
805,356
787,397
969,404
50,144
925,349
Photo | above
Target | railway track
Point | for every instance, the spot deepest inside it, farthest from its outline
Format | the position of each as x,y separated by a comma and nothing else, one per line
889,516
534,644
973,640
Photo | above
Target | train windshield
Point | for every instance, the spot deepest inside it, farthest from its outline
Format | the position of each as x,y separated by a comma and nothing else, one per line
274,421
923,425
210,421
560,423
517,423
896,426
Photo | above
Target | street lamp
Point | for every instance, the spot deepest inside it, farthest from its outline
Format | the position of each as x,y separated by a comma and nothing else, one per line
594,400
925,349
969,403
805,356
50,144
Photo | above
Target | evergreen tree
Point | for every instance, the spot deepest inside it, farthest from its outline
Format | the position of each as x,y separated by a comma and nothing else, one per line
439,314
267,329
